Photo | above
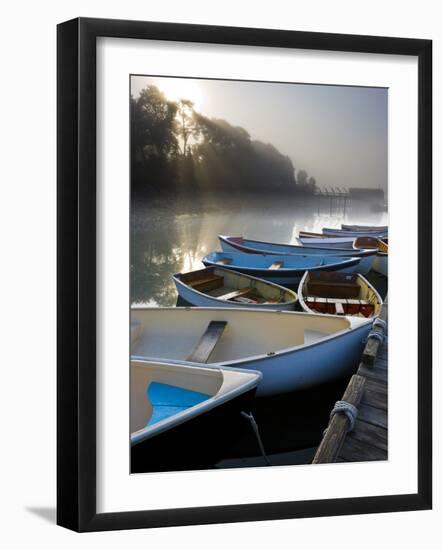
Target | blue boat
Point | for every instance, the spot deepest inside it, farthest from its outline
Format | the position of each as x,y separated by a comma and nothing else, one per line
249,246
281,269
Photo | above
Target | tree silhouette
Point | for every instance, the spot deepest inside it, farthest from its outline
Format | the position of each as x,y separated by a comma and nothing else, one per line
174,148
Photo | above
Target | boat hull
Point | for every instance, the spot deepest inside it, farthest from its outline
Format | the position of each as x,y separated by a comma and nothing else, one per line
327,242
369,228
197,443
307,367
381,264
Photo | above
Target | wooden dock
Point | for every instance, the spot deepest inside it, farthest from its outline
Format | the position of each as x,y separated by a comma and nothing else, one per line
367,391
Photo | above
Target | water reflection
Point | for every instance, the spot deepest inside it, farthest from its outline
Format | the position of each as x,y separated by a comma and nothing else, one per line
170,238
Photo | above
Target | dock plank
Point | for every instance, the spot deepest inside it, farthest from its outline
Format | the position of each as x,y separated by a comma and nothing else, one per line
370,434
375,399
207,343
377,373
354,450
376,386
373,415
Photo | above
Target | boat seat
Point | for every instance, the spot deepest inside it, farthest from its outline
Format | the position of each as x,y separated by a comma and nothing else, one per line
235,293
207,343
339,308
207,283
167,400
276,265
333,289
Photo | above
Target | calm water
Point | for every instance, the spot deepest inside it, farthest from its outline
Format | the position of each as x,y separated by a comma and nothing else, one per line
167,239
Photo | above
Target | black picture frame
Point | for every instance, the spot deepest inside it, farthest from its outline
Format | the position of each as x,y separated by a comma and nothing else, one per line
76,264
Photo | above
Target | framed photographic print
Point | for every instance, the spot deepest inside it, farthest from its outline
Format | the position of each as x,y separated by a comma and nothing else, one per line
232,204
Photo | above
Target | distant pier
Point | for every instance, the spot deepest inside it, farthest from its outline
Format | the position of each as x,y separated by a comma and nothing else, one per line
367,396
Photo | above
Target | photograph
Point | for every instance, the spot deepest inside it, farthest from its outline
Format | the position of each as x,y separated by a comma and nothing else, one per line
258,273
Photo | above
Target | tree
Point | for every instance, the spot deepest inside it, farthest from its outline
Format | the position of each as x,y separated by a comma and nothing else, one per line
187,126
302,178
154,141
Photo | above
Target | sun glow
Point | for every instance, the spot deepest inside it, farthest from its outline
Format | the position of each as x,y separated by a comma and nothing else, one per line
182,88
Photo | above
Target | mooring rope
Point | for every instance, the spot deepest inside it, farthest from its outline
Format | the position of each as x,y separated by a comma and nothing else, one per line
380,323
347,409
254,426
377,335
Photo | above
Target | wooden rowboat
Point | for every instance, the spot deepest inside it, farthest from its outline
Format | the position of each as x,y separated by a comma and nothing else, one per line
347,233
380,264
220,287
284,270
249,246
324,241
314,235
190,406
339,294
373,228
292,350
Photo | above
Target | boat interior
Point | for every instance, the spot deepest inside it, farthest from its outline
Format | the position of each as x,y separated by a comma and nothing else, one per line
160,391
218,335
234,287
340,294
371,242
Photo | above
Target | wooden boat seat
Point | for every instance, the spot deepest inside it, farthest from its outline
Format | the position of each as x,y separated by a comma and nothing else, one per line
340,306
334,289
224,261
235,293
207,283
207,343
276,265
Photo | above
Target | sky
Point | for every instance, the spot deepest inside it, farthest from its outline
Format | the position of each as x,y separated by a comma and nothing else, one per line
338,134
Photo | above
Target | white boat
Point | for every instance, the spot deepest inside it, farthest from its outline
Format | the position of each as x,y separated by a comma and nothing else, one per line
327,242
292,350
314,235
339,294
348,233
373,228
220,287
380,264
190,406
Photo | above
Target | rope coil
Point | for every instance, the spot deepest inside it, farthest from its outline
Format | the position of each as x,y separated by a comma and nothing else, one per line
377,335
380,323
378,330
349,410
